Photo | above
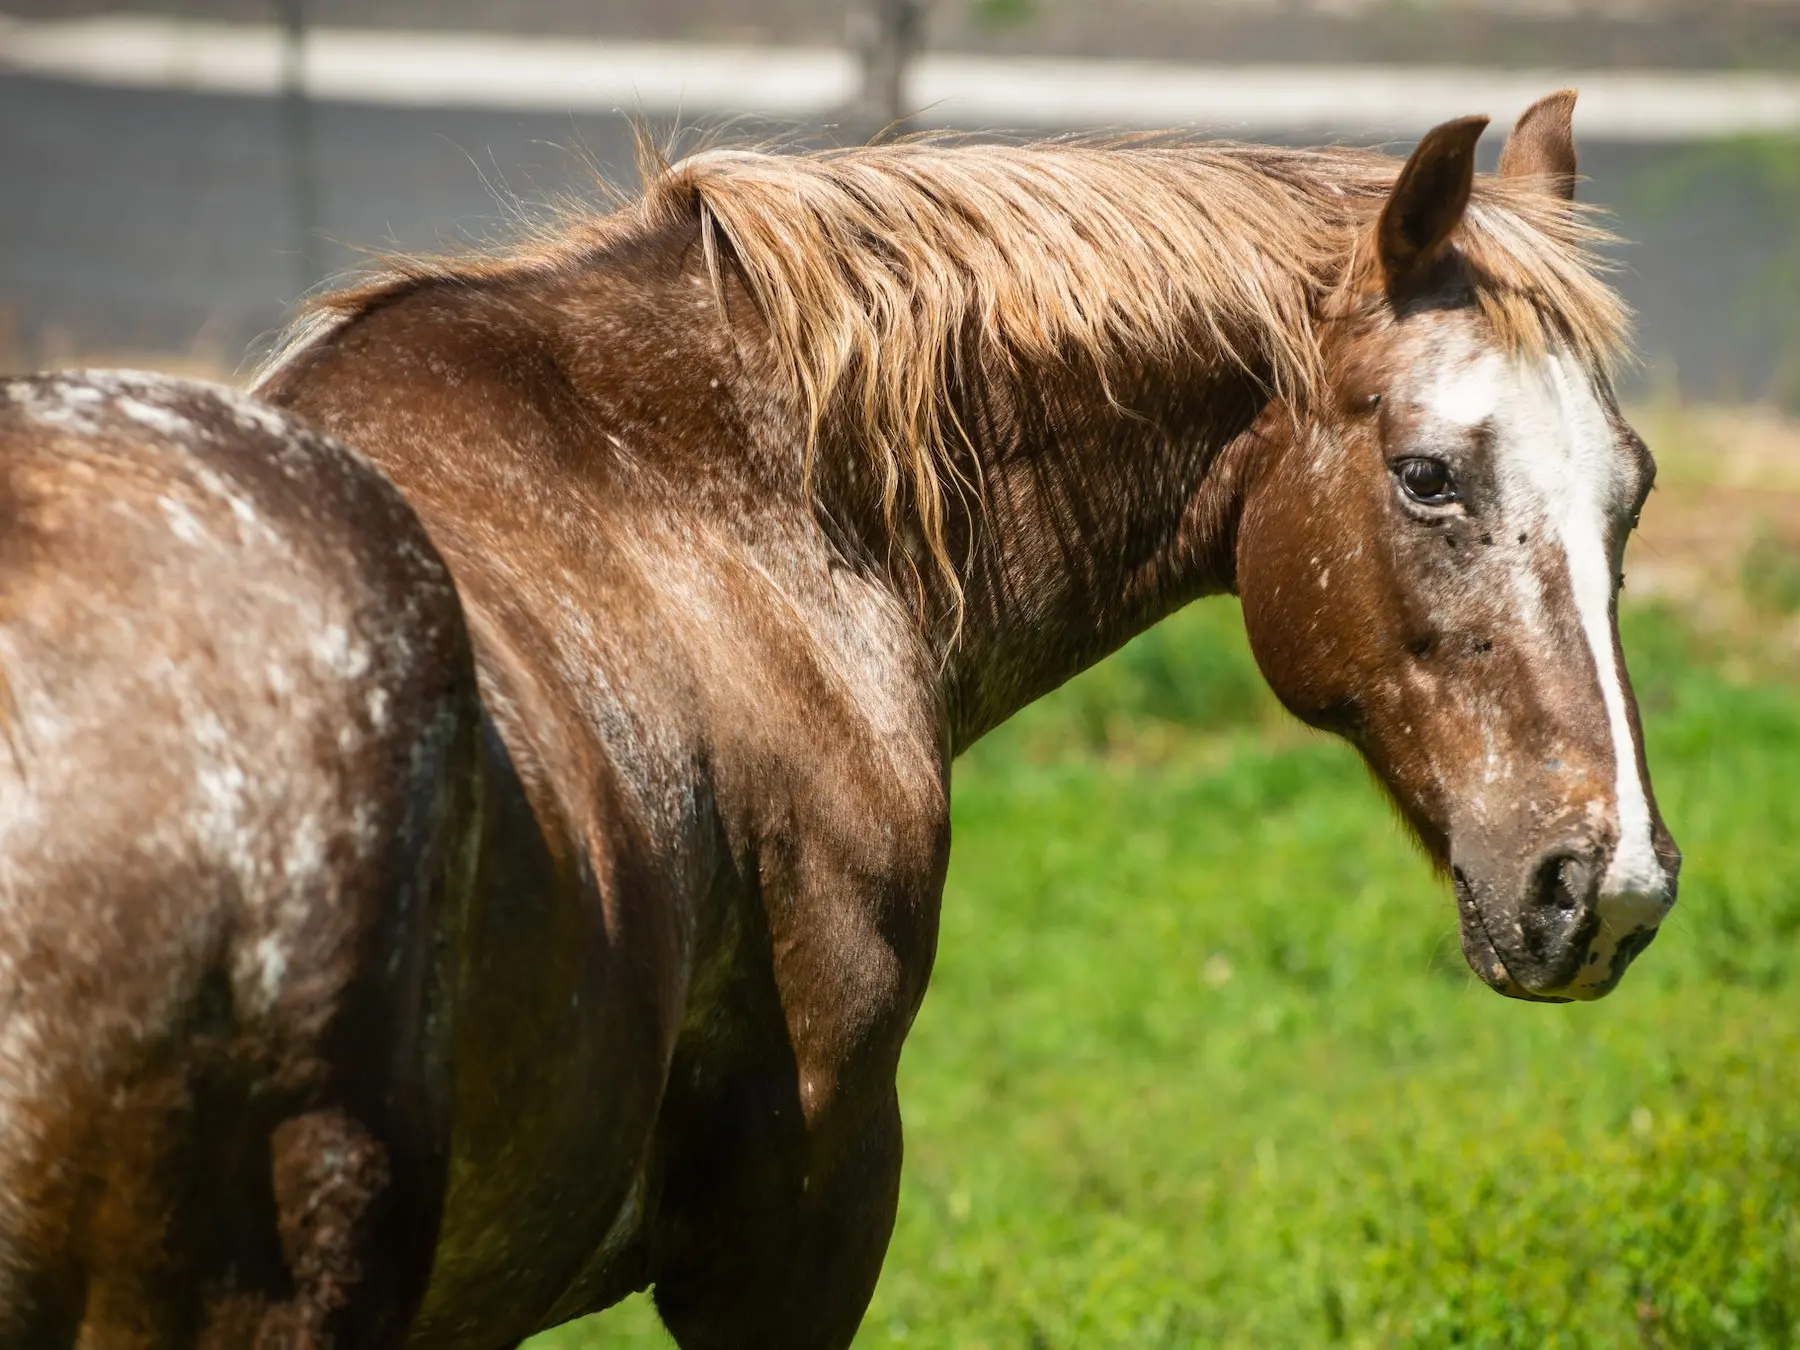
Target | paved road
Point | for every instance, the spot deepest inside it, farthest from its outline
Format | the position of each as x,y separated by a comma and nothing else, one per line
134,219
550,73
155,220
1674,34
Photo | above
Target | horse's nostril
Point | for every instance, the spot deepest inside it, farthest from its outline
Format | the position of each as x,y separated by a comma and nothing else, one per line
1566,885
1564,882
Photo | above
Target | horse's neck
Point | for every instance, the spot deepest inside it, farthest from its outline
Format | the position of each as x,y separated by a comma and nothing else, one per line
1098,522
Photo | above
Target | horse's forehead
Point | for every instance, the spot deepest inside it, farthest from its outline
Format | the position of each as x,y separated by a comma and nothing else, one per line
1467,387
1448,367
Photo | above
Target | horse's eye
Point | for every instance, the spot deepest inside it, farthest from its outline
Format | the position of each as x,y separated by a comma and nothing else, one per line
1427,481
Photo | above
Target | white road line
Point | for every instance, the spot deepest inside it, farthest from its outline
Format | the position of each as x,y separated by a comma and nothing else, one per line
433,68
444,69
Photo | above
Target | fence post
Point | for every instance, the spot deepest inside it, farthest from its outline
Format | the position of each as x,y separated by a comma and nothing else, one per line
889,34
302,173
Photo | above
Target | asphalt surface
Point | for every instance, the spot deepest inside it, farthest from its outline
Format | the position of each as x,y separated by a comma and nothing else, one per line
147,220
135,221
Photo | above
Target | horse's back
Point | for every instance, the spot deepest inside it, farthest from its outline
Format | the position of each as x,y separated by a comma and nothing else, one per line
238,749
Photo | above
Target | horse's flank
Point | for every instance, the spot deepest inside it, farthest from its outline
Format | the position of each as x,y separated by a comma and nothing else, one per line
883,274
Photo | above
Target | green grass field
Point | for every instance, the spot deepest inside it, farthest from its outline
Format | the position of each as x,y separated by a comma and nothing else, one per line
1201,1064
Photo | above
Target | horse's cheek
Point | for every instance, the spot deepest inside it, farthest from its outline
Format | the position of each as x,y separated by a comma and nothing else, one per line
1281,610
1316,586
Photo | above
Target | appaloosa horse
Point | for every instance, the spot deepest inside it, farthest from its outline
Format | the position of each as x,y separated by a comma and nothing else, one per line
391,963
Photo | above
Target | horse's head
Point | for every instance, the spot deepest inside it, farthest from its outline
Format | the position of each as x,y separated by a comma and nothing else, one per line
1430,567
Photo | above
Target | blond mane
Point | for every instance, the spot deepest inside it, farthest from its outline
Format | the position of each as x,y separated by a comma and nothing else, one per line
874,267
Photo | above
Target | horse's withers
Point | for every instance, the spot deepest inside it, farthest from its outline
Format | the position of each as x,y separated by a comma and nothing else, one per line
1437,579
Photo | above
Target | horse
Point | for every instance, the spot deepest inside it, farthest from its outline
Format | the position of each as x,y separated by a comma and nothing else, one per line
604,791
237,766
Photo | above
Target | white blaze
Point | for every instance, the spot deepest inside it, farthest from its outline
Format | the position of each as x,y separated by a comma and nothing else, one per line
1471,393
1556,446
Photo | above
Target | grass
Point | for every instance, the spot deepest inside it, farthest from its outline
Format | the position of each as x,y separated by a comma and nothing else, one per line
1201,1064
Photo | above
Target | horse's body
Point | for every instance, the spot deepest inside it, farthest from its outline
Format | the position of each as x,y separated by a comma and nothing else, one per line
235,793
734,764
695,473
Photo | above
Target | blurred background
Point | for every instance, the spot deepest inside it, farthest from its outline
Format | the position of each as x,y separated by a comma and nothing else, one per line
165,192
1201,1064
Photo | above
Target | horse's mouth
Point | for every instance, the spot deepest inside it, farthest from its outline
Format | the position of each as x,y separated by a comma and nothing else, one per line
1481,953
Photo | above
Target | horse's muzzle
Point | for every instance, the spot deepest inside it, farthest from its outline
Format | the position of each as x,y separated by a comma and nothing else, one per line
1552,936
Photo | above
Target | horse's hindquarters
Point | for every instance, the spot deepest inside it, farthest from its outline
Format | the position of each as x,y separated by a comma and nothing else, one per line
236,785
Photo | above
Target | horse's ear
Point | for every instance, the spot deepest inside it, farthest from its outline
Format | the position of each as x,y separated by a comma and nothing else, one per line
1427,201
1542,144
